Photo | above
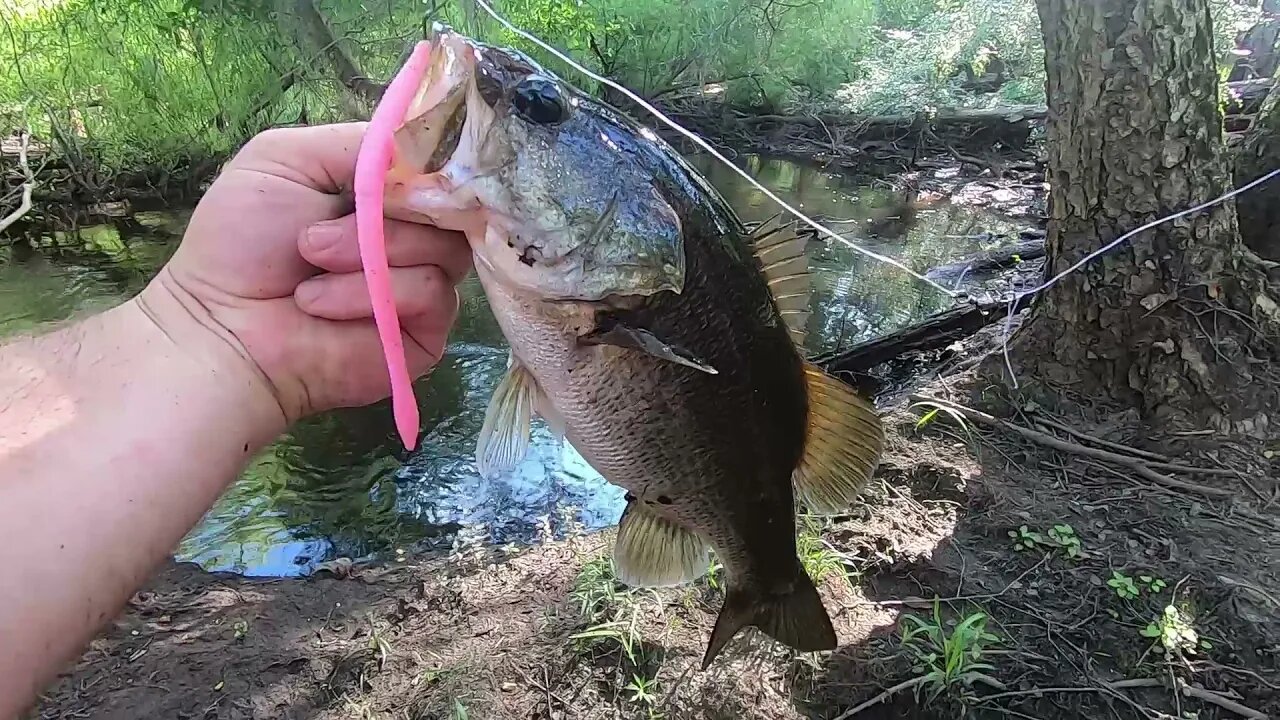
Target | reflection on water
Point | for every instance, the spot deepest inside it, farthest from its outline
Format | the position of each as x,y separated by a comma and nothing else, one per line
338,485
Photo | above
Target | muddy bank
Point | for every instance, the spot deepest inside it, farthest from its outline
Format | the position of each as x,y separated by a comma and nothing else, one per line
1058,568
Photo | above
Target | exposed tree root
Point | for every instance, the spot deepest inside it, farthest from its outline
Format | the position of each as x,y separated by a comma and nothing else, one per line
1137,465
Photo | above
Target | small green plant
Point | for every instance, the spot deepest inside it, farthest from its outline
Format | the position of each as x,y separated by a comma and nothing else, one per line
1152,583
459,710
642,690
818,559
596,588
714,567
1026,539
1123,585
947,658
926,418
932,415
378,642
1064,536
623,632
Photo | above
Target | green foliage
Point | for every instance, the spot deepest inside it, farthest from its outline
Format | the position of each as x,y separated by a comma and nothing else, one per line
1174,634
1123,585
948,653
818,558
164,84
1025,538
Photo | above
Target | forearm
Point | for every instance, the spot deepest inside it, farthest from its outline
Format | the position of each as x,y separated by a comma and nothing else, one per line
115,437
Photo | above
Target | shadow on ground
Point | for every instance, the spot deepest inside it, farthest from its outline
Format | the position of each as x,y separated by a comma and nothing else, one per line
1059,613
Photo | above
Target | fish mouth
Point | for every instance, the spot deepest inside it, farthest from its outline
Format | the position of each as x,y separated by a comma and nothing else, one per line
446,147
431,147
457,165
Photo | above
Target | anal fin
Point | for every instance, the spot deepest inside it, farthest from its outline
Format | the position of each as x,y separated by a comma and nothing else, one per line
504,436
843,445
796,619
652,551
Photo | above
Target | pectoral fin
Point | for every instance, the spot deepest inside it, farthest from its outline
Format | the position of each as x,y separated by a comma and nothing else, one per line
652,551
633,338
504,436
844,444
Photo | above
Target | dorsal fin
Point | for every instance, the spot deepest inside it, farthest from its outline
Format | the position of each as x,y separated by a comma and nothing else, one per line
785,265
844,442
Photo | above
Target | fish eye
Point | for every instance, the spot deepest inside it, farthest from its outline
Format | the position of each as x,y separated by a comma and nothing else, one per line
538,100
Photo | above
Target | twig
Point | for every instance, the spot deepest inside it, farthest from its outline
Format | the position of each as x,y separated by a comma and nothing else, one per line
1132,463
1208,696
1153,460
1040,418
905,685
1221,701
28,185
965,598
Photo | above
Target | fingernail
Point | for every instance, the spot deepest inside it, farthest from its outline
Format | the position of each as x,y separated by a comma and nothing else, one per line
323,235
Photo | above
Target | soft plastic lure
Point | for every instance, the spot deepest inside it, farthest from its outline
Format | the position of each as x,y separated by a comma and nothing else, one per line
372,163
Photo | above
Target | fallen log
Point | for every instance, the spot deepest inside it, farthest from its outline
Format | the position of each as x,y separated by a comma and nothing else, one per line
935,332
1242,98
1005,115
1246,96
985,262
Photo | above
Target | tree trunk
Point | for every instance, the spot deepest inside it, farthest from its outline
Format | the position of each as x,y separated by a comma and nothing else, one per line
313,31
1168,321
1259,210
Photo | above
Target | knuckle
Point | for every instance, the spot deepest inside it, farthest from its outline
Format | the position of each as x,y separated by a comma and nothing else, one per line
266,141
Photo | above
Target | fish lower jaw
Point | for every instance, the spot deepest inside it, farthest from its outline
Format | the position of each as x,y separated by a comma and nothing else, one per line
433,198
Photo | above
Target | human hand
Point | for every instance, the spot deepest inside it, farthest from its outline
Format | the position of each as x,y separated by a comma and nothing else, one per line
270,267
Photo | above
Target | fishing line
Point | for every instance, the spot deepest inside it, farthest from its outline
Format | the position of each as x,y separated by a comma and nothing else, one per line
707,147
1018,296
1014,298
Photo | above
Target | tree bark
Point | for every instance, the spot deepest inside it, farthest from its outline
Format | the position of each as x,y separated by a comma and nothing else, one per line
1176,321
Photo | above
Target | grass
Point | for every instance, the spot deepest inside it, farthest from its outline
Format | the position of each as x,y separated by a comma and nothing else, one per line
948,655
615,617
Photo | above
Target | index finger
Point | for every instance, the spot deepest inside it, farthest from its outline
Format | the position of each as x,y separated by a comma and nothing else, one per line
321,157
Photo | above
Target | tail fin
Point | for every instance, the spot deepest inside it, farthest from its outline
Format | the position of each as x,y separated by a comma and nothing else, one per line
797,619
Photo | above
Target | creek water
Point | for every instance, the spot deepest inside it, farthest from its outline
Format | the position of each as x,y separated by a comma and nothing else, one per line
340,485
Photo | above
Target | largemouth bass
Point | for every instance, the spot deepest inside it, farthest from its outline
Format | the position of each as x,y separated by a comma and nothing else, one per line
645,323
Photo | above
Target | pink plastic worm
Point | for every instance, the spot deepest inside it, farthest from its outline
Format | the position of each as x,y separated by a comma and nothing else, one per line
372,163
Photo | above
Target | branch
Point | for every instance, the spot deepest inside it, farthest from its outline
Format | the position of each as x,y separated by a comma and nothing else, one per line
699,83
28,185
936,331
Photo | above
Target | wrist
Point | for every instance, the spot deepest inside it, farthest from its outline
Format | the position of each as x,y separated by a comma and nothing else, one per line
117,433
187,341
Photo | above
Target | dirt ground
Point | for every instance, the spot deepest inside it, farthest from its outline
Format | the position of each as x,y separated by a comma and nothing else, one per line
1033,619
